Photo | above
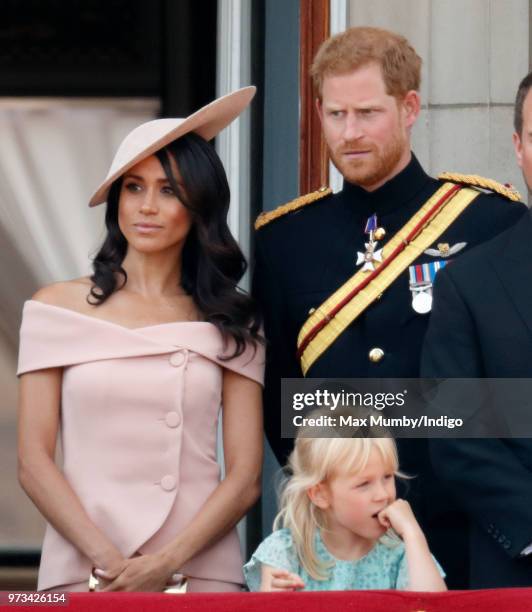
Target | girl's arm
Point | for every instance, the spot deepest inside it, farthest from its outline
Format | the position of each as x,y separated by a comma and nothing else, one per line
274,579
38,423
423,574
229,502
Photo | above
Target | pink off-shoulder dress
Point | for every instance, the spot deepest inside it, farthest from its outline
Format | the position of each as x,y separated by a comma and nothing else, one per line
139,417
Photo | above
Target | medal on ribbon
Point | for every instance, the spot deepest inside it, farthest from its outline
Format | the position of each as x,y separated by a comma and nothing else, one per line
372,255
421,279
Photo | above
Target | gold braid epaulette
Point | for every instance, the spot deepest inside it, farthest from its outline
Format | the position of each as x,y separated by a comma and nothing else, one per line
303,200
473,180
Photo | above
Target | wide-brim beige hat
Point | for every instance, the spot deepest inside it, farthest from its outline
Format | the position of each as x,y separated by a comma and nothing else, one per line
149,137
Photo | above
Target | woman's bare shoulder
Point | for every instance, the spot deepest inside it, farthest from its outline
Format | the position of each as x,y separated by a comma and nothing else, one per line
67,294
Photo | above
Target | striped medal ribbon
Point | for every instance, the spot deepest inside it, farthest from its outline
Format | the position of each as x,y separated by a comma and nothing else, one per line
421,279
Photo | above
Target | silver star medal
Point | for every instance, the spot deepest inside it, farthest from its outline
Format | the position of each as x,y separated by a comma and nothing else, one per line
372,255
369,257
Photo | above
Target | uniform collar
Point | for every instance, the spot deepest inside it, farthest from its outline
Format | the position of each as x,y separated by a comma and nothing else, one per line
394,194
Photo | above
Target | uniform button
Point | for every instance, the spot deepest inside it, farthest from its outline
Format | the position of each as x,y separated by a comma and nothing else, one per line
177,359
172,419
168,482
375,355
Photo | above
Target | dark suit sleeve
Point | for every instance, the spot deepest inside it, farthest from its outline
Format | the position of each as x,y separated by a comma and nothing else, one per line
280,353
485,476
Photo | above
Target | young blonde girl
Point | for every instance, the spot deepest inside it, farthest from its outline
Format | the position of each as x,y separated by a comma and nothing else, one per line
340,525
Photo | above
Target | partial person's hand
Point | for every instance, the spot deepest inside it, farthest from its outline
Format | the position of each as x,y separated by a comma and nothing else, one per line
140,573
399,516
281,580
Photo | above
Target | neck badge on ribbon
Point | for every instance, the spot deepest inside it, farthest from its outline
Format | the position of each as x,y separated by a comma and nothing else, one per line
372,255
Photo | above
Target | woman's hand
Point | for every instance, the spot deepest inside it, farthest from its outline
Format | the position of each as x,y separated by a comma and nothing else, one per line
140,573
274,579
399,516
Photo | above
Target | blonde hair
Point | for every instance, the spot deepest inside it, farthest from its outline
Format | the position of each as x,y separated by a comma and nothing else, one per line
357,47
312,461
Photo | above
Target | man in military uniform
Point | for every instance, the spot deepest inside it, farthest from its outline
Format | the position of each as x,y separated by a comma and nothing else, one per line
339,276
490,337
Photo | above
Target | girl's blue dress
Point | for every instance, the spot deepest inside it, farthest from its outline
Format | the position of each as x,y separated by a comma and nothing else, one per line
384,567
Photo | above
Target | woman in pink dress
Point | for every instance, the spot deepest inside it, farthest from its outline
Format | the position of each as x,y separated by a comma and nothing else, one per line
131,367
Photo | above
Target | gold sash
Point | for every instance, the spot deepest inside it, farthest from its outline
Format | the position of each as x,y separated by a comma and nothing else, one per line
340,309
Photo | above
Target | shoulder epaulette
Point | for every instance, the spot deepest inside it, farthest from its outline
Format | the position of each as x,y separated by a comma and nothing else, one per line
472,180
303,200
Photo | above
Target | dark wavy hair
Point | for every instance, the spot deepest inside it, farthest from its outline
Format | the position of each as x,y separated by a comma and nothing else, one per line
212,262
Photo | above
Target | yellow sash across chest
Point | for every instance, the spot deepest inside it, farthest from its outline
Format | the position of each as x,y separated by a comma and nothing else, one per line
343,307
